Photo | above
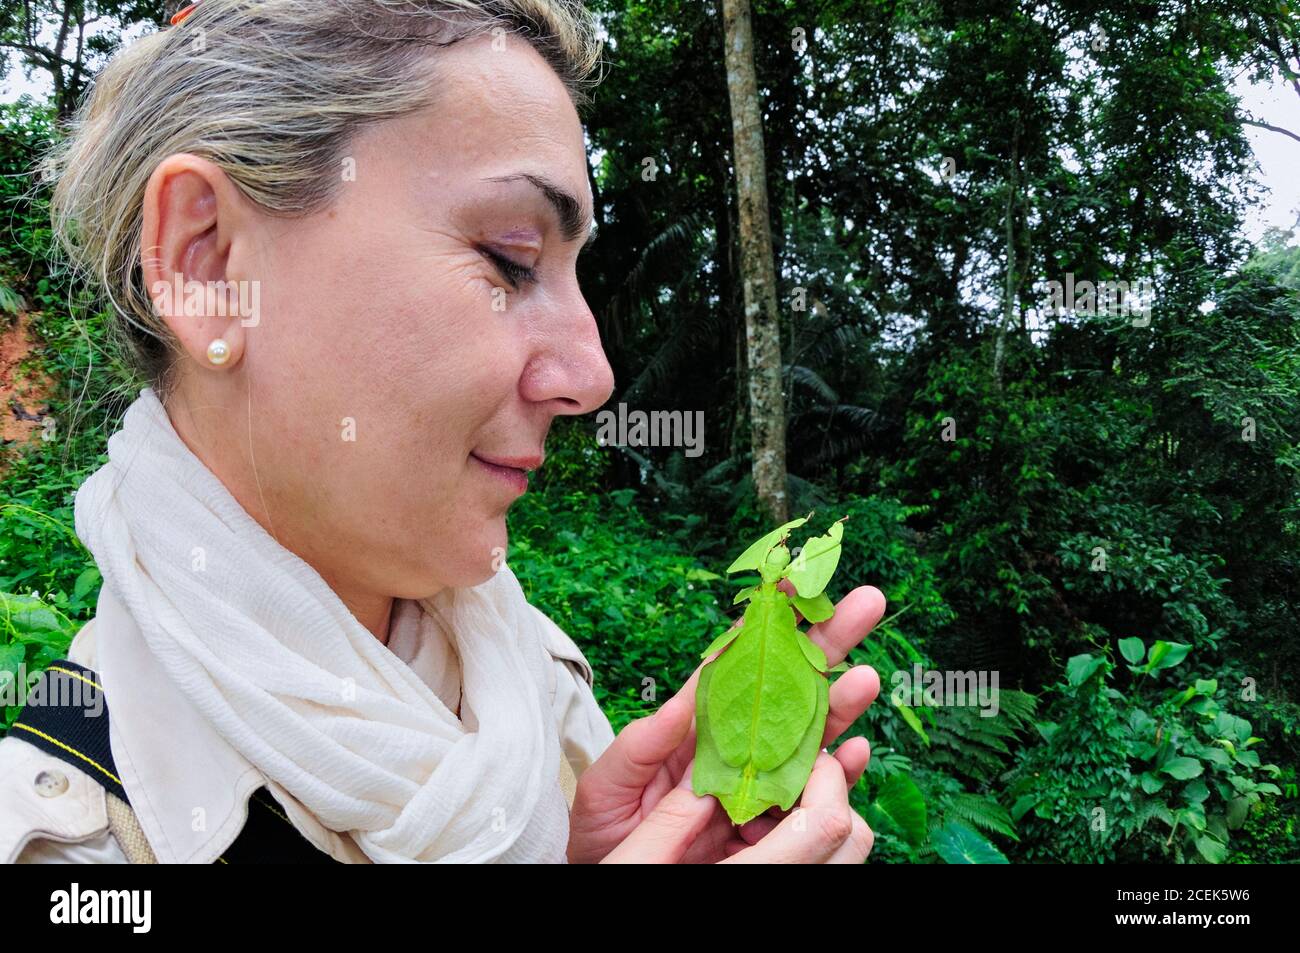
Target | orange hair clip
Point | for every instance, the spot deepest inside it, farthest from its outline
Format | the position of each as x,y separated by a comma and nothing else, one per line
183,12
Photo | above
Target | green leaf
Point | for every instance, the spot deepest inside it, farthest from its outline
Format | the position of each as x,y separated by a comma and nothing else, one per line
702,575
1082,667
1243,729
1184,769
88,580
899,805
816,562
818,609
1238,807
1132,649
1023,804
1212,849
755,555
723,640
1150,783
813,652
1168,654
958,844
28,619
12,656
909,716
1158,652
744,594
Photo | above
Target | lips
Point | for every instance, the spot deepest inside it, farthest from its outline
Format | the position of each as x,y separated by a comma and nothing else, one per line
506,473
531,462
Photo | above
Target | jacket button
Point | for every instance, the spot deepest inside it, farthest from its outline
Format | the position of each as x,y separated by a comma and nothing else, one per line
51,783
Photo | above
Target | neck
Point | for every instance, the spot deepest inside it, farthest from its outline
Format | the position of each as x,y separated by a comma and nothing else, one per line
374,612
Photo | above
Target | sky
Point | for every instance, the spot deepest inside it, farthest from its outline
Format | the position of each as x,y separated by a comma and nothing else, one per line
1278,155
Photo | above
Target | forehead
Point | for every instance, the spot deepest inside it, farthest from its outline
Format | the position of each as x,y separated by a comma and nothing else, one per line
498,109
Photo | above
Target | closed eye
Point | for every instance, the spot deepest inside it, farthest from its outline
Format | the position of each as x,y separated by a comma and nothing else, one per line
513,272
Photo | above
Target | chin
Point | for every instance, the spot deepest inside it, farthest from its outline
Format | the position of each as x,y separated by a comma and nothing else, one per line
479,557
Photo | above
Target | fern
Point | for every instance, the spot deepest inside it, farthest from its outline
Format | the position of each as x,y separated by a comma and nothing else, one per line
1149,808
977,810
10,300
976,746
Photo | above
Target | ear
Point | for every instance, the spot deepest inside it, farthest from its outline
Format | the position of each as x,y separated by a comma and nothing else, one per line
192,215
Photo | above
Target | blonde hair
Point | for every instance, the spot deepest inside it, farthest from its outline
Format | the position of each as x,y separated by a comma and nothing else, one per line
271,91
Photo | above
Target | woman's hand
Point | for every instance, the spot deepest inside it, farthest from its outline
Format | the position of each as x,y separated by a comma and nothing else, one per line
636,804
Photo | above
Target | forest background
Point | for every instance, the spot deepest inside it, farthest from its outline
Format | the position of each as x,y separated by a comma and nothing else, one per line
1092,497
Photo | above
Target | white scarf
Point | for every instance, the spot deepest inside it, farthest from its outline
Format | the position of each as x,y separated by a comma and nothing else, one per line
283,671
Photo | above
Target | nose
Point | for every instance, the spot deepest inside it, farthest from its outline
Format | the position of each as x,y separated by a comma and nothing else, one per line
570,368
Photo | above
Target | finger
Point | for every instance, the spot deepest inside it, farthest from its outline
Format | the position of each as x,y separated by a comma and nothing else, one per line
817,832
753,831
641,748
858,845
734,846
713,840
855,616
669,830
850,696
853,756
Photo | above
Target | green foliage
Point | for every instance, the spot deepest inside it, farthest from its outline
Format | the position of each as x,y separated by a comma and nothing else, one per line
574,461
49,584
1160,771
968,744
1036,495
620,588
35,633
958,844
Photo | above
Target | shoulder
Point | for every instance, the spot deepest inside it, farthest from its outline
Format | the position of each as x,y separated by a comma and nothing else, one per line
564,649
50,811
585,731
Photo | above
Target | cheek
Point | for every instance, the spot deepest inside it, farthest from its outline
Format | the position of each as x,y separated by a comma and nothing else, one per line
378,372
456,361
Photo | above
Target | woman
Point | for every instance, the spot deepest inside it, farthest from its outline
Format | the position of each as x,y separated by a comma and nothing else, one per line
341,239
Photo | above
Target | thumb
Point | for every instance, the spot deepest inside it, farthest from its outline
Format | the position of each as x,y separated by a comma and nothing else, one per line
641,748
669,830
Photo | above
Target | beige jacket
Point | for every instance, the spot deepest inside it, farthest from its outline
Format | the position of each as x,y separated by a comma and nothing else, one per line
52,812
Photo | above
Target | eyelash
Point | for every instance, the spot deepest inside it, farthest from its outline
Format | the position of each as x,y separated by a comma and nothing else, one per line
513,272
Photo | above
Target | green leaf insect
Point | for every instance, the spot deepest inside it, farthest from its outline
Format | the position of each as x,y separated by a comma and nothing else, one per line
760,706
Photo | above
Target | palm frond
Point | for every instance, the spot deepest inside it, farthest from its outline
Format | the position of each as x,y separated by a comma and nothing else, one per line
665,257
809,378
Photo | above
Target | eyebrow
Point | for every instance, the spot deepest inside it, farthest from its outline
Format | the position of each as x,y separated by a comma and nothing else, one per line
567,208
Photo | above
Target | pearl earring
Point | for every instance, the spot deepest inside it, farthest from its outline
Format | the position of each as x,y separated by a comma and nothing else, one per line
218,351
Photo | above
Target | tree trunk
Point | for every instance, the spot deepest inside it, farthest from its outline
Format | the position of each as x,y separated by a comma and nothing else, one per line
1011,284
758,273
